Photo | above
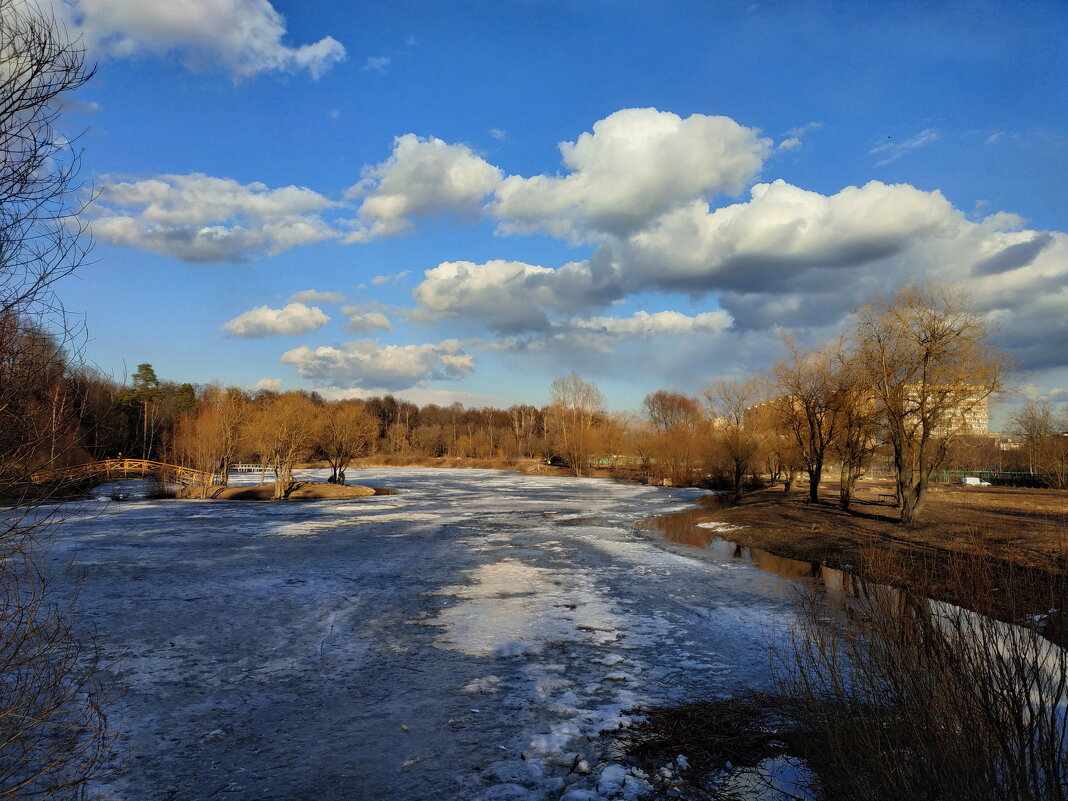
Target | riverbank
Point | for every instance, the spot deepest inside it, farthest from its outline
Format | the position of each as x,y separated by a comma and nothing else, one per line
1028,527
302,491
1000,550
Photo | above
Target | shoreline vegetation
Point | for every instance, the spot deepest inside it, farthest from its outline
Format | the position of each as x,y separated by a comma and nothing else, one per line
300,491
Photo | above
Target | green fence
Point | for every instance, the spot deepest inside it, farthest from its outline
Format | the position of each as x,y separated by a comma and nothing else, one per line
1001,478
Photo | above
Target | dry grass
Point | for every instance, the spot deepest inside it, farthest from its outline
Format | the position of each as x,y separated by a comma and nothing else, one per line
716,737
1024,527
907,698
54,733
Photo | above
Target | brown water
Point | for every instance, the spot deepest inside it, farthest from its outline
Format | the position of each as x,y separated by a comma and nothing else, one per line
683,528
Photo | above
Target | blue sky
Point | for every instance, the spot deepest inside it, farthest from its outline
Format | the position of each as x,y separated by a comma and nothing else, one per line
486,195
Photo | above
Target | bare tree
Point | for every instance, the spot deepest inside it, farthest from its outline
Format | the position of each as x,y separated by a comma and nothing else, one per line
856,437
570,422
282,431
728,402
345,431
806,399
1045,436
53,732
674,445
929,365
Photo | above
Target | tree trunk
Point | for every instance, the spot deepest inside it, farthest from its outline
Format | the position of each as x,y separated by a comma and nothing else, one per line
739,477
912,502
815,473
847,482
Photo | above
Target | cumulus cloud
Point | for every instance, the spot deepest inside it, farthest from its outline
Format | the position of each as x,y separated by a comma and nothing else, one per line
765,245
645,324
421,178
786,257
295,318
242,36
315,296
199,218
780,232
602,334
364,322
510,296
271,384
368,363
636,164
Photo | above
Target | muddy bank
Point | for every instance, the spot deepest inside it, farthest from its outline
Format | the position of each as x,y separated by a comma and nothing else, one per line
1001,551
1026,527
302,491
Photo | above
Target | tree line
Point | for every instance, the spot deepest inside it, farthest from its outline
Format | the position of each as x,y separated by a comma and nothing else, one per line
902,387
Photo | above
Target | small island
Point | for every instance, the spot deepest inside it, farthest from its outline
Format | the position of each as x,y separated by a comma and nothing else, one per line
300,491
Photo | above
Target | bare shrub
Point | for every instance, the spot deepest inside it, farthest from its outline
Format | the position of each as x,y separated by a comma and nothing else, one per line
54,735
53,732
905,697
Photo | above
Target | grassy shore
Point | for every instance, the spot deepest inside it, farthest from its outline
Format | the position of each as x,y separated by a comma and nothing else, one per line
1028,527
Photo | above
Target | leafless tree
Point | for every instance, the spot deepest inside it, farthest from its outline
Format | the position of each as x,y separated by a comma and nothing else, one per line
728,402
806,400
282,431
856,437
570,423
928,363
1045,435
345,431
53,729
674,445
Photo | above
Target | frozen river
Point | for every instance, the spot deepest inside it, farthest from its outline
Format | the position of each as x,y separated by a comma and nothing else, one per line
465,638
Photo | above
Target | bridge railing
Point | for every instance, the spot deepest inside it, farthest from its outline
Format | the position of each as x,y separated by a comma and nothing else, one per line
126,467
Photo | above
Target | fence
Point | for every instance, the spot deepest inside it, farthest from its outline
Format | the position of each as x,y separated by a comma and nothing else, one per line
998,478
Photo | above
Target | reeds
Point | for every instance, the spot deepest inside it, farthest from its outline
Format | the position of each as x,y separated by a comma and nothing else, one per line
898,696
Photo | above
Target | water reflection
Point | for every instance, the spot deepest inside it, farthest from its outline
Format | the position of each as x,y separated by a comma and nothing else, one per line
691,528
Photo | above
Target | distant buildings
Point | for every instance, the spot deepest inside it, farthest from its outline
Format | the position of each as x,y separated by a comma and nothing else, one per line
965,413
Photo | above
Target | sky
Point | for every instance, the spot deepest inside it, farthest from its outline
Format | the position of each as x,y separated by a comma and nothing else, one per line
461,201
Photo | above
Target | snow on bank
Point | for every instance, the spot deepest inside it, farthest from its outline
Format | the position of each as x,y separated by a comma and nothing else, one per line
467,638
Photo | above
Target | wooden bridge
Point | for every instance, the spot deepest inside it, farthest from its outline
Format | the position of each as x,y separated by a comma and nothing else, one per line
115,468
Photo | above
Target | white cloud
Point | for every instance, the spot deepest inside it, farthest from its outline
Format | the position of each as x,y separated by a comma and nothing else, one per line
364,322
895,150
780,232
199,218
71,105
765,246
395,278
315,296
601,334
787,257
792,138
507,296
645,324
421,178
242,36
295,318
637,164
272,384
498,133
376,64
421,396
368,363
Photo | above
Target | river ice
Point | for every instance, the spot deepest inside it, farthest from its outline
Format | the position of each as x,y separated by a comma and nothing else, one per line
467,638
